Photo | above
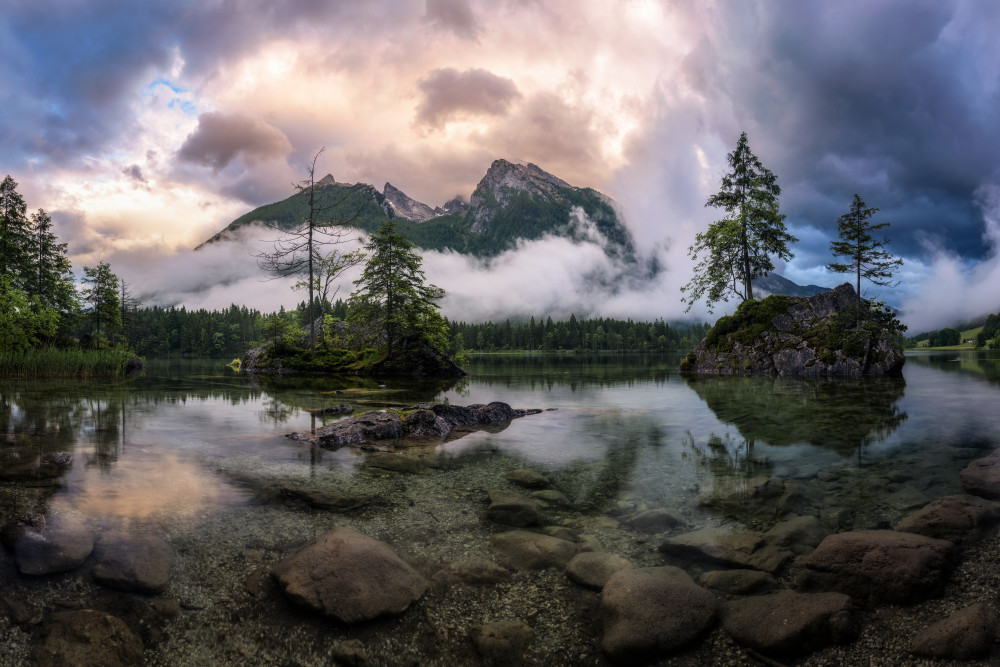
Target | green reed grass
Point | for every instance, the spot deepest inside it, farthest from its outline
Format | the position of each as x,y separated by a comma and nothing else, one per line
51,362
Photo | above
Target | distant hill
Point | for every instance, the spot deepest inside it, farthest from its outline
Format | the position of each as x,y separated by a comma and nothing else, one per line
775,283
511,202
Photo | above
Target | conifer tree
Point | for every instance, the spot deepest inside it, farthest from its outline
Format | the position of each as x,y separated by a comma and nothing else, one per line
102,297
869,258
50,278
14,234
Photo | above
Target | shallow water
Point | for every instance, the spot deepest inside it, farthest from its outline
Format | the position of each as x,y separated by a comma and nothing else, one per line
185,449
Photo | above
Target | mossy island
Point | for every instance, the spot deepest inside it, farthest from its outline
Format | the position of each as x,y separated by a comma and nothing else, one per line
833,333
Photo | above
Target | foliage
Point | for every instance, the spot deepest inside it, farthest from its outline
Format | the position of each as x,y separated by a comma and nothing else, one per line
944,338
24,322
102,297
989,333
738,247
869,259
15,235
751,319
392,300
52,362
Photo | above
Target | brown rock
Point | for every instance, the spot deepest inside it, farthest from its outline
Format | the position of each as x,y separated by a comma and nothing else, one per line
350,577
594,568
136,564
739,582
86,639
965,635
349,652
651,612
533,551
513,509
982,476
326,499
528,479
58,544
720,547
790,624
880,566
551,497
656,521
502,642
958,519
473,572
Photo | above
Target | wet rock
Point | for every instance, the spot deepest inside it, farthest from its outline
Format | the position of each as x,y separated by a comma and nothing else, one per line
342,409
965,635
800,534
880,566
656,521
513,509
739,582
958,519
501,642
397,463
562,532
86,638
907,499
720,547
593,568
133,563
423,423
19,612
350,652
473,572
533,551
982,477
551,497
368,426
49,545
790,624
528,479
651,612
350,577
326,499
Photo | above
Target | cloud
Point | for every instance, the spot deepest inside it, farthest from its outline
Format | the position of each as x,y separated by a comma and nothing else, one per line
454,15
134,172
449,94
221,138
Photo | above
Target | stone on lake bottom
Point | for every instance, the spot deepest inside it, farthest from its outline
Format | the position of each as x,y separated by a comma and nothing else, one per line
880,566
790,624
656,521
326,499
501,642
135,564
594,568
528,479
86,638
350,577
533,551
982,477
649,613
61,544
958,519
513,509
967,634
739,582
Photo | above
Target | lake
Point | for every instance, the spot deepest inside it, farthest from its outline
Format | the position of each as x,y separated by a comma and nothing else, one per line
194,453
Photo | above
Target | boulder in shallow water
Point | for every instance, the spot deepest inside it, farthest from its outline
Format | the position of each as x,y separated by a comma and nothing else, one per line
982,477
967,634
502,643
958,519
86,638
133,563
513,509
651,612
350,577
533,551
49,544
594,568
528,479
880,566
790,624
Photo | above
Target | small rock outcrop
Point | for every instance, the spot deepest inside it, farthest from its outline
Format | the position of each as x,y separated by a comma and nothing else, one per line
424,420
880,566
820,335
407,207
651,612
350,577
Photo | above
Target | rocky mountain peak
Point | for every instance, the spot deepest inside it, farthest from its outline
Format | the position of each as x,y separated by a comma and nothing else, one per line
503,180
405,206
327,180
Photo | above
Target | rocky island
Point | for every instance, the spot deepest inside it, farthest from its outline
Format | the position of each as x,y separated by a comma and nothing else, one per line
829,334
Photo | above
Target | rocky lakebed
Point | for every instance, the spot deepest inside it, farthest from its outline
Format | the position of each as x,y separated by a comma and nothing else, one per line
470,558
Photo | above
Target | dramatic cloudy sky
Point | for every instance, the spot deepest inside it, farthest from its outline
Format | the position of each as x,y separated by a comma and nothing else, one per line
146,127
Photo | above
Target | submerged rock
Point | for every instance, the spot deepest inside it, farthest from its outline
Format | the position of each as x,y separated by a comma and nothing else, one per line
790,624
651,612
965,635
803,336
139,564
739,582
982,477
594,568
533,551
528,479
958,519
326,499
880,566
86,638
513,509
46,545
350,577
424,420
501,642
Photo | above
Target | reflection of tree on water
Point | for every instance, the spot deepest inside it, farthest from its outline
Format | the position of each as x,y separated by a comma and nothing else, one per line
845,415
574,371
985,365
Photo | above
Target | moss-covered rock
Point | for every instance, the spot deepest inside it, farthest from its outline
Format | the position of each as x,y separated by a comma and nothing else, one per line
831,333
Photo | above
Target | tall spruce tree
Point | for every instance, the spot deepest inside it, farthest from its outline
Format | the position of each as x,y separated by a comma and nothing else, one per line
738,247
14,234
102,297
869,258
50,278
392,300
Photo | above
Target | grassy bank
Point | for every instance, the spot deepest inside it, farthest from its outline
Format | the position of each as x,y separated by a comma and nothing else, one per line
50,362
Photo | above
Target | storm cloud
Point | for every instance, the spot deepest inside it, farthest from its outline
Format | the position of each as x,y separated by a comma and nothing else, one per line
448,94
220,138
454,15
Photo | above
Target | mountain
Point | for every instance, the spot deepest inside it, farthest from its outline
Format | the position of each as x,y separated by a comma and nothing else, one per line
776,283
511,202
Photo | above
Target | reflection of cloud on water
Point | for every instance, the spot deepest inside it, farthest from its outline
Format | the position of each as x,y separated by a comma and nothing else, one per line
143,487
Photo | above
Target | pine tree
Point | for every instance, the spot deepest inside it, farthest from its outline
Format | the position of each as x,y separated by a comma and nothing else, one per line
14,234
102,296
50,279
392,300
869,258
738,247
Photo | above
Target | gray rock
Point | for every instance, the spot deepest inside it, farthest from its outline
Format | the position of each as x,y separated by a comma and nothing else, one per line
136,564
551,497
790,624
533,551
368,426
326,499
350,652
958,519
656,521
800,534
594,568
651,612
59,544
349,577
965,635
726,548
982,476
473,572
342,409
739,582
513,509
880,566
501,642
396,463
528,479
86,638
